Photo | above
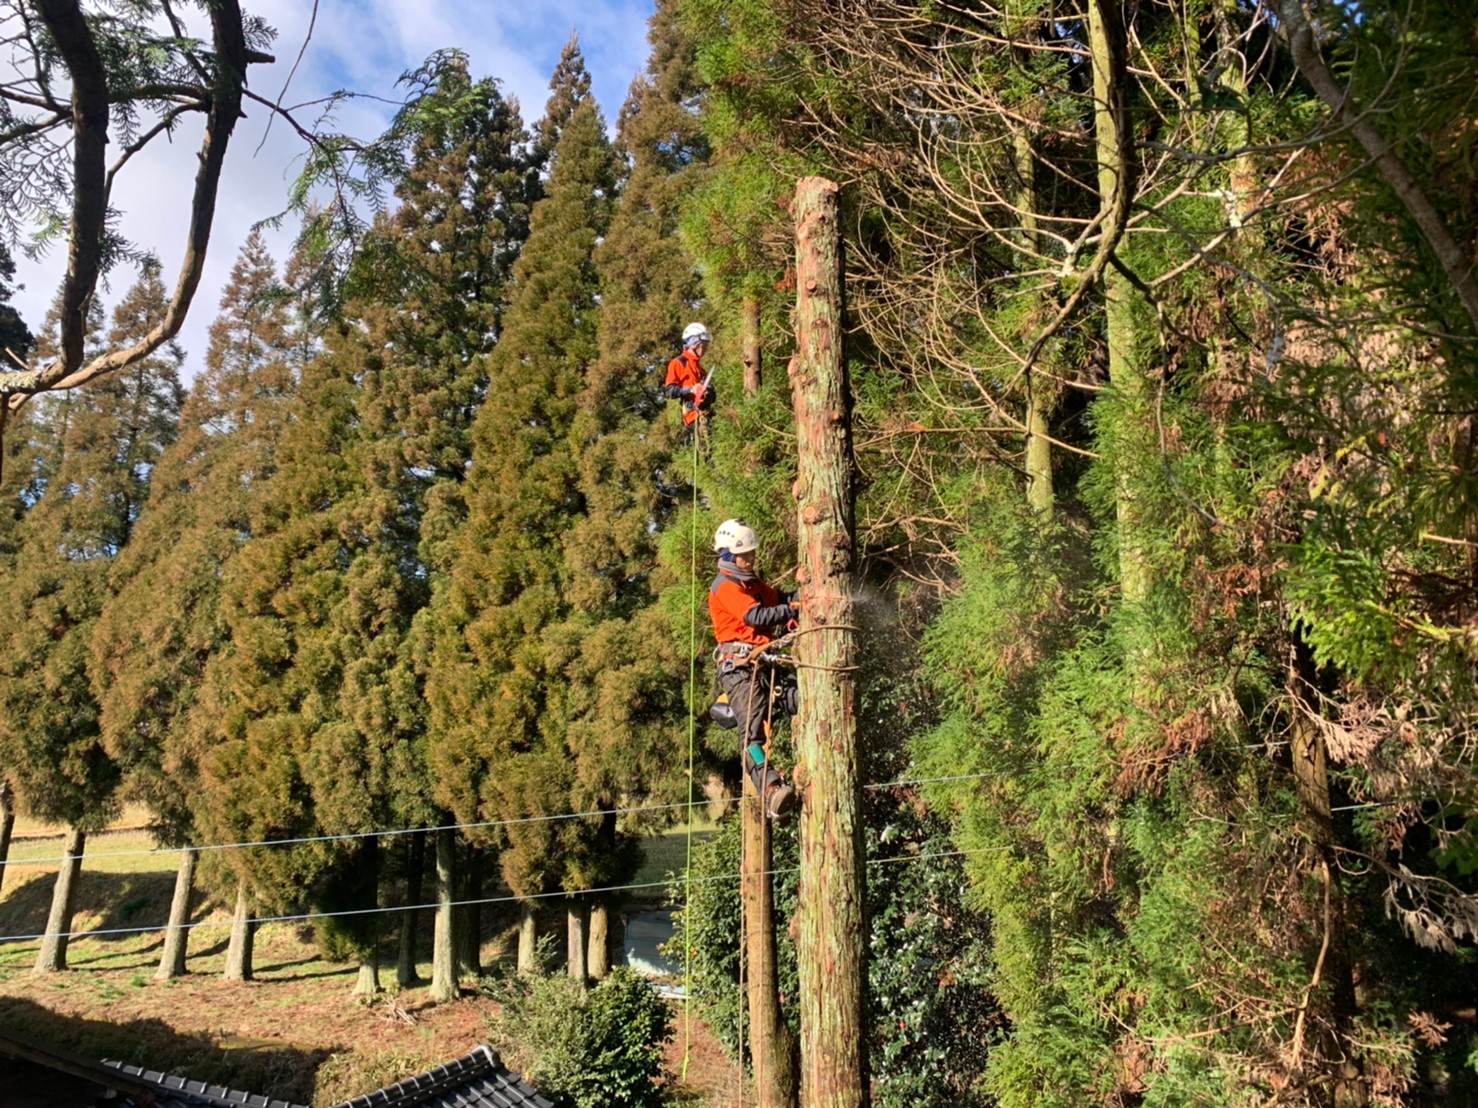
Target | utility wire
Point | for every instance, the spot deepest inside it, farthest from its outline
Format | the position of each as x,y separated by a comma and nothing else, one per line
688,880
517,821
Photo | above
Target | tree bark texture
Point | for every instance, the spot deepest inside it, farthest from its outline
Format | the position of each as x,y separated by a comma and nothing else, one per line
1127,372
750,341
240,950
415,874
831,919
469,924
367,983
53,954
443,947
1039,398
576,918
528,938
1333,972
177,934
598,956
7,827
772,1047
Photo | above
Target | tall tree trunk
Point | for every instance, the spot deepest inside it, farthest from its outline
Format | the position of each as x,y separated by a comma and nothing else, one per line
528,937
415,874
7,826
367,859
177,934
598,956
240,950
443,950
1039,393
469,924
1333,971
53,954
750,341
831,936
772,1047
576,917
1126,355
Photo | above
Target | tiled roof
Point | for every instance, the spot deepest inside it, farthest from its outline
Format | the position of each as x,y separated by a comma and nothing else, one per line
181,1092
476,1080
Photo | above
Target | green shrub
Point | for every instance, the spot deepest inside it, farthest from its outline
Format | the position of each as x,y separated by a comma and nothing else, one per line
584,1049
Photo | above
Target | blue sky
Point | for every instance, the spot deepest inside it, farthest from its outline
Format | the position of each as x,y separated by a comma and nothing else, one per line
362,45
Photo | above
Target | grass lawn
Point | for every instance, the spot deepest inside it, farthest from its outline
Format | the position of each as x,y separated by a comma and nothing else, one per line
295,1032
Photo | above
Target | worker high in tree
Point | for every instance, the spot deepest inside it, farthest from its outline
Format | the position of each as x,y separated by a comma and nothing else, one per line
748,616
686,380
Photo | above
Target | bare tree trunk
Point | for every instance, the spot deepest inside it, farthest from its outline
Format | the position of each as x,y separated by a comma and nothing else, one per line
772,1047
1039,394
1127,370
831,922
177,934
53,955
7,826
750,339
367,858
528,938
469,923
243,939
367,983
598,956
415,880
443,951
1333,967
576,918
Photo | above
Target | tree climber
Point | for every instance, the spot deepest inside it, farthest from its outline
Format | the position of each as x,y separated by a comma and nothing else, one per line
685,376
748,614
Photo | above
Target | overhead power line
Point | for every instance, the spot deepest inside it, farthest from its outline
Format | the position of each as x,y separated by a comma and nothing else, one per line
301,917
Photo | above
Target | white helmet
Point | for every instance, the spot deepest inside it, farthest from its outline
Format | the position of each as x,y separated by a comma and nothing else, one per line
695,332
735,536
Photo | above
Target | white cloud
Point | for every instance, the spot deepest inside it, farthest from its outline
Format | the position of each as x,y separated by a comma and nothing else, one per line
364,45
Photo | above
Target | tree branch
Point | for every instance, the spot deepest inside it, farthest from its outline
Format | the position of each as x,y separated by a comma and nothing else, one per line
1456,265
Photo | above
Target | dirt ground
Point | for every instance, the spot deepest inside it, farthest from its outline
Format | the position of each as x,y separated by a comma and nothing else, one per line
295,1032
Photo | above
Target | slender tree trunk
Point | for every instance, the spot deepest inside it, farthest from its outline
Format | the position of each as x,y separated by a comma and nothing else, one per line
53,955
772,1047
1333,971
598,956
750,339
528,938
415,874
1040,397
177,934
831,933
576,918
7,824
367,858
443,951
469,936
1126,355
240,950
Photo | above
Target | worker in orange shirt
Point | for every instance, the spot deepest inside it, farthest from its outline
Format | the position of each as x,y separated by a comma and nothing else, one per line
685,376
748,614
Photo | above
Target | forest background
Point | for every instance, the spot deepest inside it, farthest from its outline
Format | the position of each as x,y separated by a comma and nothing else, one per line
1161,325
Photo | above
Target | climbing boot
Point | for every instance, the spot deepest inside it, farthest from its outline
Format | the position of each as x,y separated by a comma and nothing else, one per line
780,800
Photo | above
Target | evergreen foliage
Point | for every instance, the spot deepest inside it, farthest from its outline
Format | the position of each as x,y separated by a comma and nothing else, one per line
94,454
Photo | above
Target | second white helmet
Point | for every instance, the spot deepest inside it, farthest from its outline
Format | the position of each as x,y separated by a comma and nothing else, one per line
735,536
695,332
